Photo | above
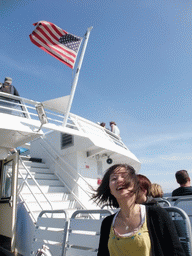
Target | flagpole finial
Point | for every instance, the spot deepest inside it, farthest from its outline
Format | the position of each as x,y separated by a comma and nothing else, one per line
88,30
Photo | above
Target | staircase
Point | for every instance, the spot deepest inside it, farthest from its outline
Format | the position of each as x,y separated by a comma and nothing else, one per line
40,189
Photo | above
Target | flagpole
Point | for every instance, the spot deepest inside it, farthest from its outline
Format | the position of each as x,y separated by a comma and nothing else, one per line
74,85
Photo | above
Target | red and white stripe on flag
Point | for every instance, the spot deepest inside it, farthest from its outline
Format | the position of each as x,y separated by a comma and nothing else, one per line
56,41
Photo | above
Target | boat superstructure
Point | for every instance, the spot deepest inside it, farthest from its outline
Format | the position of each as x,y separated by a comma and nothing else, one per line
56,176
63,166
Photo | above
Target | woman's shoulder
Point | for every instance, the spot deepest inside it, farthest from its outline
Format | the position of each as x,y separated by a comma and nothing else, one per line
106,224
107,221
108,218
156,210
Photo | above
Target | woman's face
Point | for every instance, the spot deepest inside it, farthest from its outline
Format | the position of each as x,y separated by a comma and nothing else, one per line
119,184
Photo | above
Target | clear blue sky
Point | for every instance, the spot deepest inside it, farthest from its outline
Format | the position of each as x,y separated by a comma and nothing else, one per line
137,71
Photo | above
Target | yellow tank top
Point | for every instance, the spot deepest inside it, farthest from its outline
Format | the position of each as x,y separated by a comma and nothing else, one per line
138,244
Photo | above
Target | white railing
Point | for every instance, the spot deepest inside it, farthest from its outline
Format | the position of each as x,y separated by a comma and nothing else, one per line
25,182
93,128
72,179
26,108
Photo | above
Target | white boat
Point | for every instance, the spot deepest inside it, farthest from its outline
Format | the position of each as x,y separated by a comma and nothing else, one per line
58,170
45,192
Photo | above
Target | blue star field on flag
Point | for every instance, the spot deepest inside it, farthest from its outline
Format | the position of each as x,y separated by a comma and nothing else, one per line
70,41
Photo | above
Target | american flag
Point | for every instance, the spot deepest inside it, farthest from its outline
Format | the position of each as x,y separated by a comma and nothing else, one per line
56,41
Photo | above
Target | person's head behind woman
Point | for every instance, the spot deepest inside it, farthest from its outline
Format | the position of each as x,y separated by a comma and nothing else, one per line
145,188
156,190
103,193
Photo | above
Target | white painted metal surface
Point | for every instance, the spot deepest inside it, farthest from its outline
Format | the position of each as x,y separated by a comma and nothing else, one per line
26,125
41,189
65,181
84,232
50,230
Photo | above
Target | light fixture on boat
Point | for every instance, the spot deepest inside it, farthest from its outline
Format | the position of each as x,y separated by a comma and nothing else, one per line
42,115
109,160
97,157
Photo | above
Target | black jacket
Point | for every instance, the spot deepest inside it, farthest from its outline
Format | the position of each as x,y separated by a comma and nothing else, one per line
182,191
8,88
162,232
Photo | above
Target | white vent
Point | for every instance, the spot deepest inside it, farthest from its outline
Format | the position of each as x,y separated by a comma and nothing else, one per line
66,140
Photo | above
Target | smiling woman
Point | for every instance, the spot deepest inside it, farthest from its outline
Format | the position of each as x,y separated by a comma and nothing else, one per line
123,186
119,174
134,229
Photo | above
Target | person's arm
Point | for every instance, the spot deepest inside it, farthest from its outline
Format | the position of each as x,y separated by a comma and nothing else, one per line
15,92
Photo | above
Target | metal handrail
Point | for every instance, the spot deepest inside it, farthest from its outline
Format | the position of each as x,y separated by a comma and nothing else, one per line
181,200
102,212
113,137
67,174
65,162
28,110
28,208
27,184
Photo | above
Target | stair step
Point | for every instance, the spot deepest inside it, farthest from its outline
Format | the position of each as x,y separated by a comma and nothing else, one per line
25,158
34,170
53,197
34,164
32,159
39,176
56,205
50,182
45,189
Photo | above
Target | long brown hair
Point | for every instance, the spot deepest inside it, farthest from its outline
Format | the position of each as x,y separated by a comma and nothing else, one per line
103,194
